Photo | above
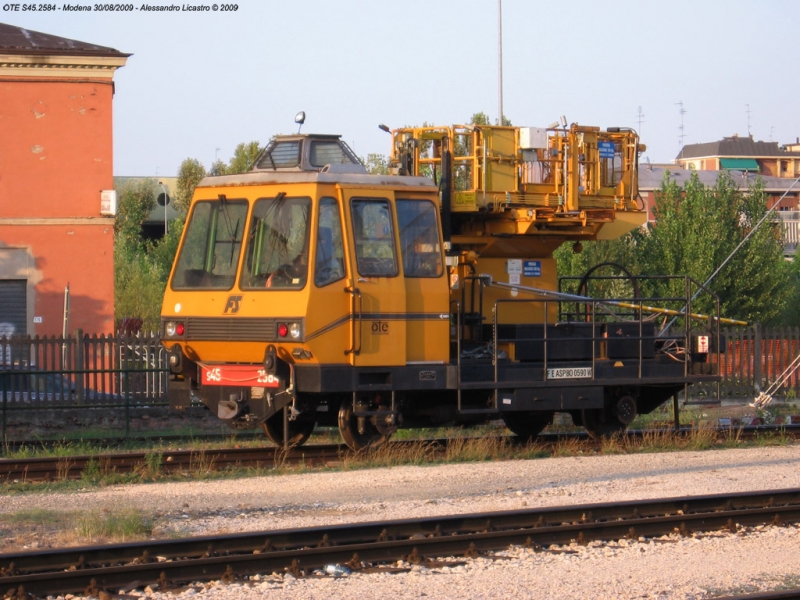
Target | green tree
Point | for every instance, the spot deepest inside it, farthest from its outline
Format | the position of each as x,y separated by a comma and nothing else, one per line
481,118
377,164
190,173
791,309
218,167
139,277
697,227
136,199
244,157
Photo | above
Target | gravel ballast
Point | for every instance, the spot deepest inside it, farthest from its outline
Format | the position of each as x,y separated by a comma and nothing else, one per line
696,567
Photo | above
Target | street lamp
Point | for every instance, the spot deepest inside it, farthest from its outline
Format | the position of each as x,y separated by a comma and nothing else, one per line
166,201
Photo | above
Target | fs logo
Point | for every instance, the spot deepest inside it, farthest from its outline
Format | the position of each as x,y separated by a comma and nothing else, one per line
233,305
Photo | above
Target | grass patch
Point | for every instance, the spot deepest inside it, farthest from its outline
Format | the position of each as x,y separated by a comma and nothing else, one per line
569,447
122,526
30,529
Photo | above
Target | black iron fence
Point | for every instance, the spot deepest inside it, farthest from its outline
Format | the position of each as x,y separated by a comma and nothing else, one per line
755,357
82,371
130,371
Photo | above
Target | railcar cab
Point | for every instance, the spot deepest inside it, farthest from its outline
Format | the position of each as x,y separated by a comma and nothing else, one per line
309,284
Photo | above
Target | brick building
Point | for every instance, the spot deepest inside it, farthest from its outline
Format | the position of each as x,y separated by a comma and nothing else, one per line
742,154
55,163
782,194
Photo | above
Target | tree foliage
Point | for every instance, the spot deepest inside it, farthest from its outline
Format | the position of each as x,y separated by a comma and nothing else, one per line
697,227
139,275
218,167
244,157
376,164
190,173
481,118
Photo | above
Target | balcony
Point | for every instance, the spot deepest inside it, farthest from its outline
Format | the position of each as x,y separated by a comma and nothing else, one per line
791,231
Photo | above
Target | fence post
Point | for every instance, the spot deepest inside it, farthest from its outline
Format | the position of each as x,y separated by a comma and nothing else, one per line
125,365
793,350
79,365
675,412
5,402
758,353
127,393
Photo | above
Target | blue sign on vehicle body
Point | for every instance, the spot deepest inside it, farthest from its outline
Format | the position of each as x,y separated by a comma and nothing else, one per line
607,149
532,268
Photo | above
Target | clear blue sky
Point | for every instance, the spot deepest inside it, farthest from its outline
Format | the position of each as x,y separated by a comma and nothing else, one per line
200,83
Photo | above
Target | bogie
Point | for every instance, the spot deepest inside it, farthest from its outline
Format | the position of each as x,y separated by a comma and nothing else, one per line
365,424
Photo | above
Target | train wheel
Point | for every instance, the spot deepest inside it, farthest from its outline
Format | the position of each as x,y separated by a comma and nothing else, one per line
600,423
299,430
527,425
358,432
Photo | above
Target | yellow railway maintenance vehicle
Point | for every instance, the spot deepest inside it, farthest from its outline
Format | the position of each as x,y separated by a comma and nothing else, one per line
309,292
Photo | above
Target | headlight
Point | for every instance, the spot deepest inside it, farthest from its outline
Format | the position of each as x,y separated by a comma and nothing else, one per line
294,330
169,329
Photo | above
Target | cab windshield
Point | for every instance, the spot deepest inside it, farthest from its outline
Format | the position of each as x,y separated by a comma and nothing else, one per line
209,256
277,244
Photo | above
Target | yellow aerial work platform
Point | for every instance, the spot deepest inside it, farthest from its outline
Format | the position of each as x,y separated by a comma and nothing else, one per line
577,181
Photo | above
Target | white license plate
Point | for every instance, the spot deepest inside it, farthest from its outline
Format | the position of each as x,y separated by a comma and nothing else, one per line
570,373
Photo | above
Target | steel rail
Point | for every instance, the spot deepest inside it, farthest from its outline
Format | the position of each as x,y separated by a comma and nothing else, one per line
247,435
789,594
175,461
301,551
171,461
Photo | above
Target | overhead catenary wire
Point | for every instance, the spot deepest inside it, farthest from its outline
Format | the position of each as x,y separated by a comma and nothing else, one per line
764,398
619,303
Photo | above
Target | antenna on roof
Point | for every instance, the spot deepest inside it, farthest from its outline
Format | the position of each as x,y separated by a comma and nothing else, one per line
682,112
748,120
640,119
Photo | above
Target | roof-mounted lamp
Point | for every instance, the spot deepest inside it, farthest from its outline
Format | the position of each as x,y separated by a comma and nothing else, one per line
300,118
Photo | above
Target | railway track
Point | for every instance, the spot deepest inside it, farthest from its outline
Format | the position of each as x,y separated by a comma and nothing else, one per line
177,461
171,461
378,546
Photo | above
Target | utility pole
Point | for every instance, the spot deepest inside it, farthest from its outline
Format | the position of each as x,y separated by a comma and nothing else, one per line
748,119
499,62
640,120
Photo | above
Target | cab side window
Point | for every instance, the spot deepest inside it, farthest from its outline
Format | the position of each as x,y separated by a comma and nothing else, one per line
374,237
419,238
329,262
